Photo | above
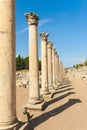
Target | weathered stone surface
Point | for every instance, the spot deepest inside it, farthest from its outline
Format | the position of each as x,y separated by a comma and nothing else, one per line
8,119
44,67
50,69
34,91
53,66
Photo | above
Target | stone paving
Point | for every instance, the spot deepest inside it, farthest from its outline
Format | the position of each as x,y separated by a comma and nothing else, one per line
65,111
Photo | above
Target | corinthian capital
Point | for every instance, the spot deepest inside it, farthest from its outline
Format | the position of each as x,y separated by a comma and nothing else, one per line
44,36
49,45
32,18
53,50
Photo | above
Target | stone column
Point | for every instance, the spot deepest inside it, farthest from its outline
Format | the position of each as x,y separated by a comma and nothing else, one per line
56,71
50,76
8,119
53,66
44,68
34,91
60,64
58,67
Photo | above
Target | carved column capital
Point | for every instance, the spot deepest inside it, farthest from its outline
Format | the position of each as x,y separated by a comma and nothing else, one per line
32,18
49,45
55,53
44,36
53,49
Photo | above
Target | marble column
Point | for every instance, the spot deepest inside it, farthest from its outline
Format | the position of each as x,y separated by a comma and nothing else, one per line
49,55
44,67
34,90
8,119
53,66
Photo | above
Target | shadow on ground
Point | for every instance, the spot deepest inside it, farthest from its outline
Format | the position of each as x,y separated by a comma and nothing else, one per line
59,98
64,86
61,91
42,118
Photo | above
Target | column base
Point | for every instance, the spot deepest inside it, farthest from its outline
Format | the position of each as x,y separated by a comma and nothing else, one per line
10,126
56,87
51,89
34,101
45,92
36,106
47,97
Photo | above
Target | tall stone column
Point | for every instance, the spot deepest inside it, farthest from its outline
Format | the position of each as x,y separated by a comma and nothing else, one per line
8,119
53,66
60,63
44,67
34,90
62,70
58,67
49,55
56,71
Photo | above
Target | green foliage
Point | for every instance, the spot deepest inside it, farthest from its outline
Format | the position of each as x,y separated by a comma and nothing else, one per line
26,60
20,64
23,63
85,63
39,62
79,65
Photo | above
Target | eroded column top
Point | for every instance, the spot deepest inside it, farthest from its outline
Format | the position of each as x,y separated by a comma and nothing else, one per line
49,45
57,56
55,53
53,49
32,18
44,36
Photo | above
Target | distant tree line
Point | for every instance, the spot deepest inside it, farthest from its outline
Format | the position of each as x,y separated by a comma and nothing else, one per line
80,65
23,63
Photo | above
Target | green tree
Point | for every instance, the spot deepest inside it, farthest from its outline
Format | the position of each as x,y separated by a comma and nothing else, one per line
39,62
26,60
20,64
79,65
23,63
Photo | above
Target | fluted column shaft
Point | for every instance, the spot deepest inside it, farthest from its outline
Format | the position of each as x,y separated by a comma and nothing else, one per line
49,55
8,118
60,63
44,67
56,67
34,91
53,66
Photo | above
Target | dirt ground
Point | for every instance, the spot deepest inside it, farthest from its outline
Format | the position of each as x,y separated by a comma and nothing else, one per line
66,111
